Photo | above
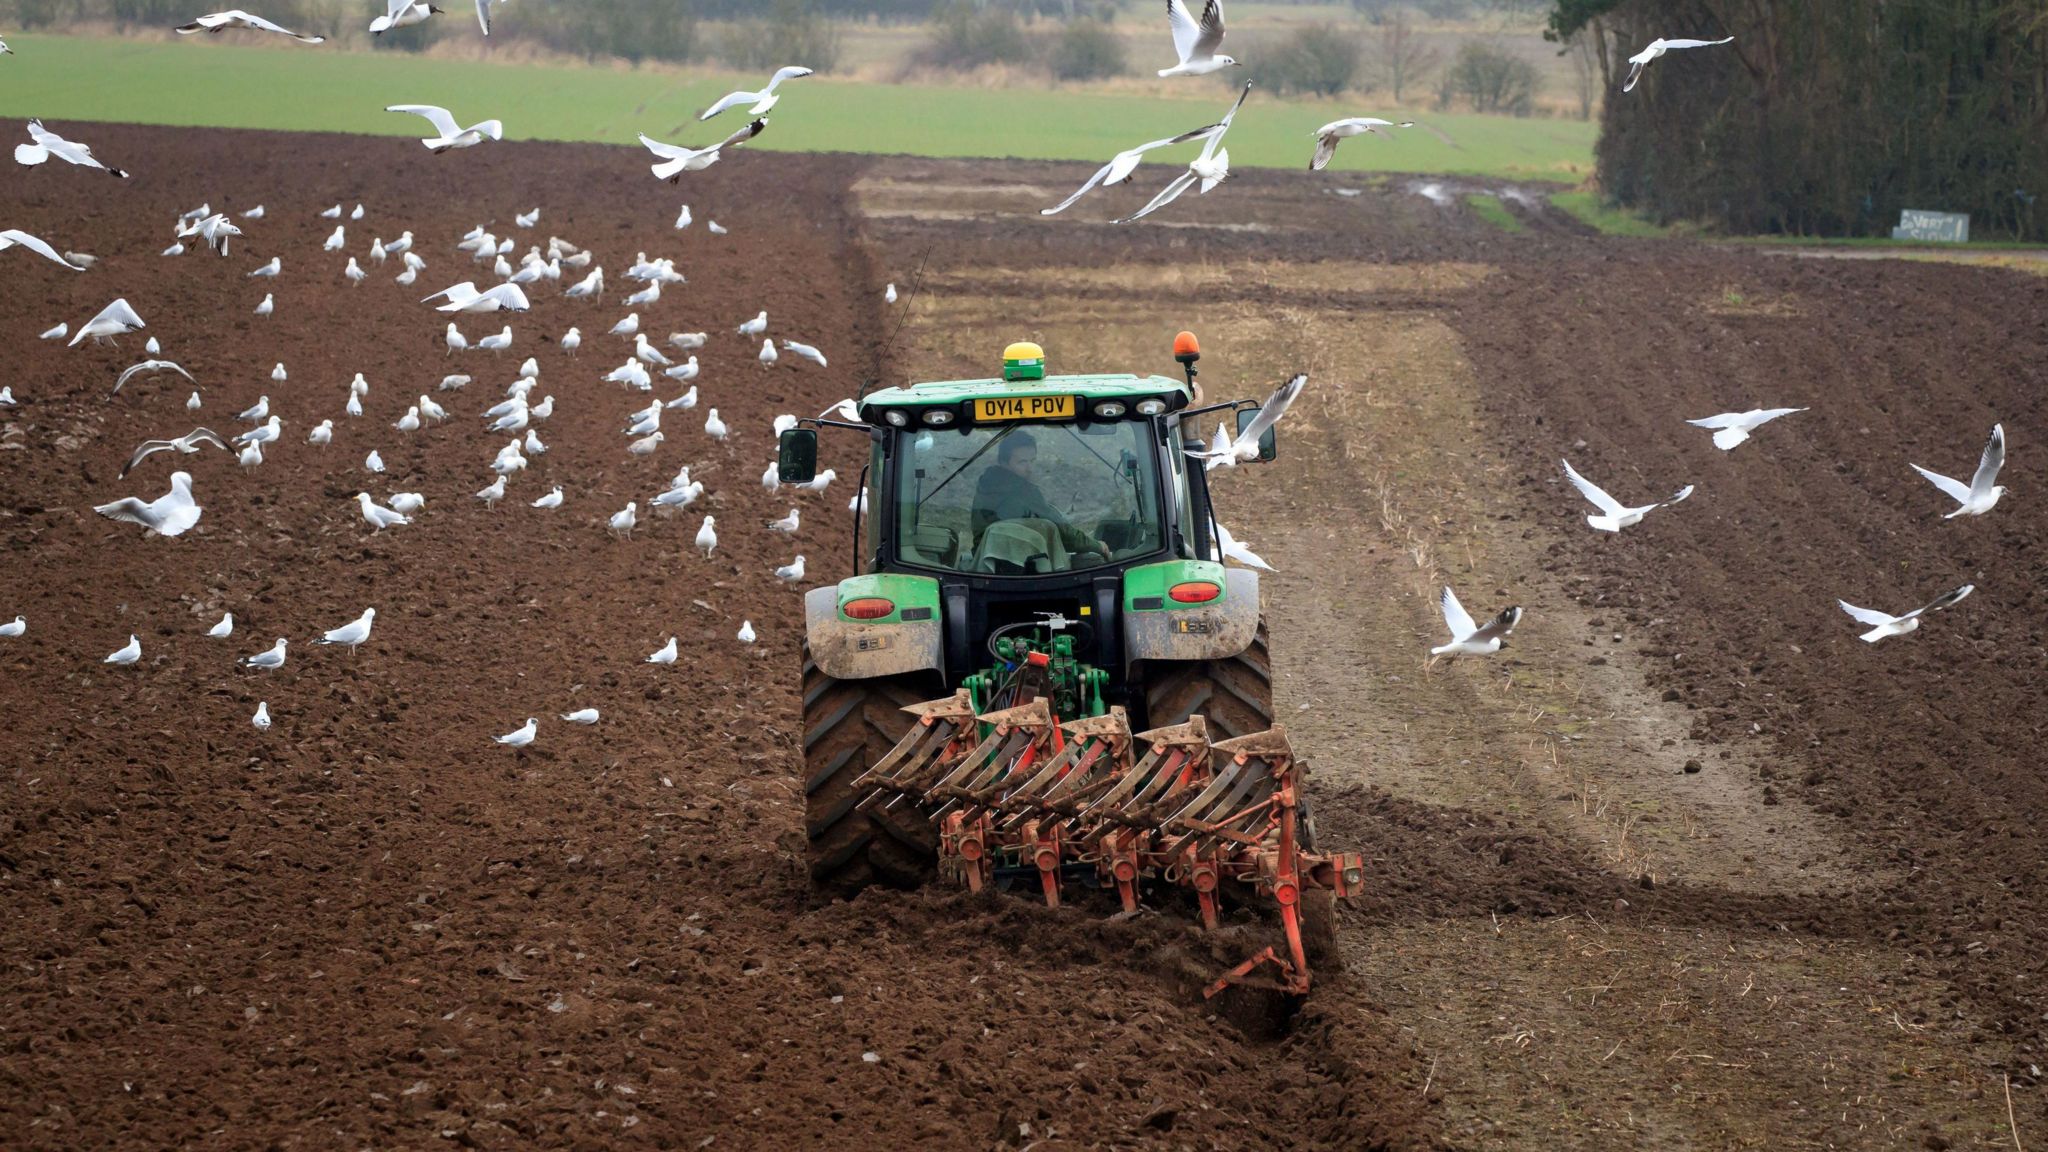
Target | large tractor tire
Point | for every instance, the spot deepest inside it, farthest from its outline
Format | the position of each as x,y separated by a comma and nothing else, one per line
1235,693
849,725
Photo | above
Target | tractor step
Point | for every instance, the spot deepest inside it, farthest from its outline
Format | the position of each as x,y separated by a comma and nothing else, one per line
1018,792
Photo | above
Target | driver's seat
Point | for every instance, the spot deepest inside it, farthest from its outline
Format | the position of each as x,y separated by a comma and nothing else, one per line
1021,548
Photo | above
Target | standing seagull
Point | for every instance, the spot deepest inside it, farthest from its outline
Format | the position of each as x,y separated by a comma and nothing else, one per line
451,134
1984,490
220,22
1468,638
1212,167
1117,171
1195,43
1883,625
13,236
1613,517
168,515
1657,48
762,101
1245,447
1732,428
676,160
1328,135
128,653
521,736
47,144
352,633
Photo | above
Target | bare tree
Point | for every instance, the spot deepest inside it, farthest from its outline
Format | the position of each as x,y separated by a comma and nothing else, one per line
1405,58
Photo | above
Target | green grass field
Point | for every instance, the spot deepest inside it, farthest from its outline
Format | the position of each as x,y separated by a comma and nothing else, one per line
311,88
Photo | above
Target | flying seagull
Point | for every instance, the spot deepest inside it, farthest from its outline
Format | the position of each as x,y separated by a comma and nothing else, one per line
677,160
1245,447
1613,517
1212,167
762,101
187,444
464,297
220,22
1657,48
1328,135
1983,491
167,515
1732,428
113,320
152,367
47,144
400,14
1117,171
451,134
12,236
1883,625
1468,638
1195,43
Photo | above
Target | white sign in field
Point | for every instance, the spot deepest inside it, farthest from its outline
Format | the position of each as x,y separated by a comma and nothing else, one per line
1941,227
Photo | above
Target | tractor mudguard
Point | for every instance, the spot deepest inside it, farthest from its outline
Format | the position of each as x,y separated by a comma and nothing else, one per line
907,639
1158,627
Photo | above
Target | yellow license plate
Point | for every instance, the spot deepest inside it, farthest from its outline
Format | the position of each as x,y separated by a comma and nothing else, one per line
1024,408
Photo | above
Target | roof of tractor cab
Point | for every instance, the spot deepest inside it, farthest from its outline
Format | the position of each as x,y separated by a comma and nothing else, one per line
1103,386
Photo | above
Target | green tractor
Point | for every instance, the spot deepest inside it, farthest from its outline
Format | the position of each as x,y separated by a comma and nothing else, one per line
1042,658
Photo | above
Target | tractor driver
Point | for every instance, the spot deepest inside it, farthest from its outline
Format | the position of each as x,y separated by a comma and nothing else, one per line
1007,492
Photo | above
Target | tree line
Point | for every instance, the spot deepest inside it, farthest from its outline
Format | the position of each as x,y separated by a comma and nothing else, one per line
1825,117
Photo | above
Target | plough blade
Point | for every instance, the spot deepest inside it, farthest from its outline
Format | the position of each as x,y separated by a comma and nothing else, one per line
1016,794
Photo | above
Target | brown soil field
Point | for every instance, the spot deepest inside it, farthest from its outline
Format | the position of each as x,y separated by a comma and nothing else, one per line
372,927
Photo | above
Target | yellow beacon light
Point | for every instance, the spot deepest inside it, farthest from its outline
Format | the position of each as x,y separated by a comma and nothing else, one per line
1023,361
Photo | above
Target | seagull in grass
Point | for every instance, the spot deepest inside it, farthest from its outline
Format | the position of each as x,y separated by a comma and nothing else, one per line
224,629
46,144
377,517
1657,48
1983,491
464,297
1245,447
1328,135
762,101
115,319
1883,626
187,444
219,22
13,236
449,133
1613,517
400,14
1732,428
148,367
273,657
168,515
1470,639
520,737
352,634
1212,167
677,160
1118,170
1196,43
129,653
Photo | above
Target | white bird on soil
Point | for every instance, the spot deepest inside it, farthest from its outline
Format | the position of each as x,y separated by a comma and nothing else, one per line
128,653
16,628
46,144
818,484
116,319
219,22
624,519
1328,135
688,341
791,572
591,285
335,241
167,515
771,478
268,306
1613,517
464,297
889,293
1211,168
1196,43
278,375
1732,428
252,454
262,717
684,372
1984,489
581,716
57,333
353,633
677,160
379,518
715,228
192,403
272,657
187,444
683,218
787,524
225,628
493,493
322,433
646,445
13,236
806,351
762,101
527,219
269,270
768,356
756,326
431,410
746,634
648,353
680,496
686,401
544,409
1657,48
521,736
714,427
552,500
1245,446
354,272
449,134
497,341
407,503
150,367
354,407
707,536
648,295
1470,639
666,654
1884,625
630,326
373,461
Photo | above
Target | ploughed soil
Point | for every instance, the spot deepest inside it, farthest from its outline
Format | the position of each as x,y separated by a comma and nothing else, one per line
371,926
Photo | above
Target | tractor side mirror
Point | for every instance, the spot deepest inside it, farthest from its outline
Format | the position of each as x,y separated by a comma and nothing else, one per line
1269,447
796,456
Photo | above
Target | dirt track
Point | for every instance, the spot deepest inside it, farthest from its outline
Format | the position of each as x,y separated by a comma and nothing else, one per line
373,927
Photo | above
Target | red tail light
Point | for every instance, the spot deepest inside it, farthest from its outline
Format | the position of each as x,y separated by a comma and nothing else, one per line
869,608
1194,592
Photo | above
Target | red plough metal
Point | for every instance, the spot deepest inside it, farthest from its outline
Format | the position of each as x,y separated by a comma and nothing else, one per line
1015,793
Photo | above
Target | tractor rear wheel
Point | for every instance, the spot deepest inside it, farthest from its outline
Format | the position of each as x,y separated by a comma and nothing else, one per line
848,726
1235,693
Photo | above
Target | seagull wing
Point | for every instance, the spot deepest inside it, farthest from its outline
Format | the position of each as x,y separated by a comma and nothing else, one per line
262,25
1083,190
1223,125
1953,489
1724,420
1945,600
1870,616
463,292
483,15
442,120
1276,406
1635,73
12,236
1593,492
1326,147
1678,496
141,454
1459,620
128,510
1669,44
793,72
1186,34
752,130
729,100
1210,36
1993,460
1499,626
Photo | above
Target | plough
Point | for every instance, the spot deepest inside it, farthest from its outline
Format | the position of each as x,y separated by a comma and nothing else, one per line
1015,794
